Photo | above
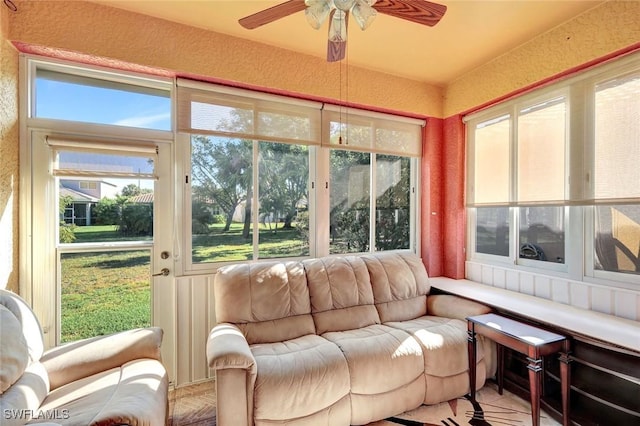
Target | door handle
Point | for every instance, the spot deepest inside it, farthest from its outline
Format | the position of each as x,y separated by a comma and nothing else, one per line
164,272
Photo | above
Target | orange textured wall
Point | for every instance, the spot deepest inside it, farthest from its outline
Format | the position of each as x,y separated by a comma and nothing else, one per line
9,155
432,184
612,26
117,34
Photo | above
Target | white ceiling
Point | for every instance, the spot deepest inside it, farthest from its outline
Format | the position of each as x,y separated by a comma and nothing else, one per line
471,33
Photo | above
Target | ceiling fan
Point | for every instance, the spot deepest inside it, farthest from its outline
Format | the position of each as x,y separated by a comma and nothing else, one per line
337,11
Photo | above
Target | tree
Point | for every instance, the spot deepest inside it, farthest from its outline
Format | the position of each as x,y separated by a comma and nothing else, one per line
108,211
284,177
131,190
67,231
221,172
393,204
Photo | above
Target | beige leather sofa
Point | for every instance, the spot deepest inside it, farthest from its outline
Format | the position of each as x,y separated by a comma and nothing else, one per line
110,380
337,341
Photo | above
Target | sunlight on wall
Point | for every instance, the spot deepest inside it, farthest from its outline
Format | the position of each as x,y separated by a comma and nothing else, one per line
6,241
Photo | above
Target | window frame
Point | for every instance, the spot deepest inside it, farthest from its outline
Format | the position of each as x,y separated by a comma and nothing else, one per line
579,202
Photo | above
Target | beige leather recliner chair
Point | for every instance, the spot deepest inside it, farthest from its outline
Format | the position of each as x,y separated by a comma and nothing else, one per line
108,380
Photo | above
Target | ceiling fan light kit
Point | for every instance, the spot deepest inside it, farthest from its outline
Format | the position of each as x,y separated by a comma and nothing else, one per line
363,11
317,12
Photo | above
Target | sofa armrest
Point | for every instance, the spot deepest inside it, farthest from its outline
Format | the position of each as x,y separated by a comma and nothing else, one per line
228,348
83,358
444,305
228,353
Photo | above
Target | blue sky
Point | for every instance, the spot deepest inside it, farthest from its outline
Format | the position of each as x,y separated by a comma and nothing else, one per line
91,104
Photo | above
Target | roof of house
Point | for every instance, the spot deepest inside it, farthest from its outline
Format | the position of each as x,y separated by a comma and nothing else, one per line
142,198
76,196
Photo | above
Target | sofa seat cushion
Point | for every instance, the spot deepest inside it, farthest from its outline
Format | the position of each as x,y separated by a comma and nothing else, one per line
133,394
443,341
386,369
300,378
375,349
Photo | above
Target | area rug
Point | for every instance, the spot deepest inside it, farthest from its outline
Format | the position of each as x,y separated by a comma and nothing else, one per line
492,409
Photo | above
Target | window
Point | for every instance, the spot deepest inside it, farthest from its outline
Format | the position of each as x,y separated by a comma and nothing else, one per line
351,202
616,174
492,230
373,170
393,202
88,185
350,216
98,214
257,166
541,234
617,239
250,173
518,157
67,93
223,177
567,151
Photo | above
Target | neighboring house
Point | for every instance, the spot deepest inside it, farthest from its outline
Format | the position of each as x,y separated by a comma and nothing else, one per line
84,194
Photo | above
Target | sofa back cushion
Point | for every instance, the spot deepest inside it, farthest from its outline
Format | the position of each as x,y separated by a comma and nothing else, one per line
30,326
268,301
400,285
340,292
14,354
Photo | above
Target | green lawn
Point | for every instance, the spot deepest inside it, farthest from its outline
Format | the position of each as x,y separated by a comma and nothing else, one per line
110,291
221,246
104,293
102,233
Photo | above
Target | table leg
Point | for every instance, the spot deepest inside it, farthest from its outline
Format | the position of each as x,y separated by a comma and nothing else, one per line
535,377
500,374
565,383
471,347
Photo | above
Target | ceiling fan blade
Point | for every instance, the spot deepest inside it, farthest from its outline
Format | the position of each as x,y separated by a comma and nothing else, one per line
272,14
418,11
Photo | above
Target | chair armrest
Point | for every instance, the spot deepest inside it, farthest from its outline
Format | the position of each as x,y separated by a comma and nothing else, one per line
83,358
449,306
228,348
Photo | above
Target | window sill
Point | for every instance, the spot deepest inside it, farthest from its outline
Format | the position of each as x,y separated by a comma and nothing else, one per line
606,328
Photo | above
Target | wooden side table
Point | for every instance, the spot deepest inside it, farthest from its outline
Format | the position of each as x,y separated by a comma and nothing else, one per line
528,340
